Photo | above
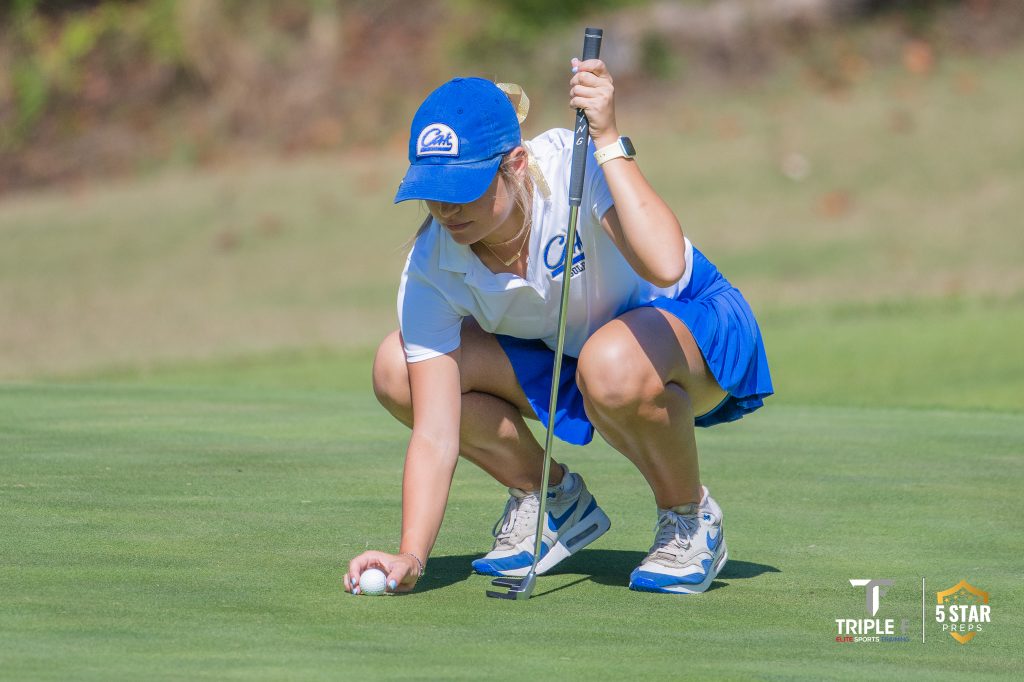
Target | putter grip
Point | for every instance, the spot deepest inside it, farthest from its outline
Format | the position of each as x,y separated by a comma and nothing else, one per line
581,143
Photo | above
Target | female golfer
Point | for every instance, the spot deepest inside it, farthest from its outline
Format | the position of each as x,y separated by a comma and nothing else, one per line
657,340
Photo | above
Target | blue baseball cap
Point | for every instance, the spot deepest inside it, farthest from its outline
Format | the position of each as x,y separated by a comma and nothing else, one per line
457,140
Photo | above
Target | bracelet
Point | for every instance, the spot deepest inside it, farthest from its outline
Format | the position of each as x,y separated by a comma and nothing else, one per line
420,563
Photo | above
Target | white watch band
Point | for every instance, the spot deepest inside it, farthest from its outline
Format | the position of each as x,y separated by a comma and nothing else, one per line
613,151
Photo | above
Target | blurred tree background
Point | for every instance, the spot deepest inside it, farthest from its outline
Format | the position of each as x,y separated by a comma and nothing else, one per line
111,87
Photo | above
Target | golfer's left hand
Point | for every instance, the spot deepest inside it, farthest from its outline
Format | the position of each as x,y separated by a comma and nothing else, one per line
591,89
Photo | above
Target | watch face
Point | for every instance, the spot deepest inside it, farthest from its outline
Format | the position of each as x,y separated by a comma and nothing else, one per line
627,146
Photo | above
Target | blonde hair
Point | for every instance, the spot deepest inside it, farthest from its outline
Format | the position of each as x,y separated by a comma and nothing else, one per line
520,188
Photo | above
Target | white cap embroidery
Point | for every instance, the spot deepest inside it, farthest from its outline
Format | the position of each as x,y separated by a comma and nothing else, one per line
437,139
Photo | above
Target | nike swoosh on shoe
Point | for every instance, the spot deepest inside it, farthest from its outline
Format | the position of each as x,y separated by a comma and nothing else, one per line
555,523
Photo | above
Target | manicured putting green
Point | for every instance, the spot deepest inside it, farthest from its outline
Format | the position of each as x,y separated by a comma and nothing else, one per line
161,531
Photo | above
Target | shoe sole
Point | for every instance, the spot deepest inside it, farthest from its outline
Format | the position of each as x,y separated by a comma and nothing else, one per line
689,589
589,528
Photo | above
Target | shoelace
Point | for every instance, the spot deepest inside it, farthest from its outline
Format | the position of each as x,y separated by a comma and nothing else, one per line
516,509
673,528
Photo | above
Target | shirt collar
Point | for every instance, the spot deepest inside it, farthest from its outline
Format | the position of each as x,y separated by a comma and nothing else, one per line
454,257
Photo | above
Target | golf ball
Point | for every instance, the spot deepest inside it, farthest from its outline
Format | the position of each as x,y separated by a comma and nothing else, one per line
372,582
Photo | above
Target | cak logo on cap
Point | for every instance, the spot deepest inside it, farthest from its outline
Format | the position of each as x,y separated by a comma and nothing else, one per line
437,139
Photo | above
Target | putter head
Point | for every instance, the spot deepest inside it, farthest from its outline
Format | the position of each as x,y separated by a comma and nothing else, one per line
518,588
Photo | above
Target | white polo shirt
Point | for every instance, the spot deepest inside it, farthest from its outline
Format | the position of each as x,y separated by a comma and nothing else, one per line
443,281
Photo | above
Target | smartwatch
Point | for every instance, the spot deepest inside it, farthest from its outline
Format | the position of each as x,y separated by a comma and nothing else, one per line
622,147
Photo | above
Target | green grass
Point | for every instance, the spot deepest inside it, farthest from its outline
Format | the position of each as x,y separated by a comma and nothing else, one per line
173,532
956,354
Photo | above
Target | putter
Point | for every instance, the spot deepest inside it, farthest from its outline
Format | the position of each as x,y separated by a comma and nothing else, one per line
522,588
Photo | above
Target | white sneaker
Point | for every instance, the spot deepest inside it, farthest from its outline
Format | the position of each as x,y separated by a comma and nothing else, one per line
573,521
688,552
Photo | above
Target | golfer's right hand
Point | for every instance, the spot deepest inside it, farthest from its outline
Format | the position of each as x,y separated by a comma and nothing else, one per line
402,570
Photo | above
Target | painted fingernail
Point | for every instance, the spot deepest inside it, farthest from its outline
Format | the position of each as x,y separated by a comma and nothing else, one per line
393,584
355,590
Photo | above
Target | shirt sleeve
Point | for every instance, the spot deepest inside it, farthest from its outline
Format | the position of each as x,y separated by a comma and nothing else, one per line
597,198
430,325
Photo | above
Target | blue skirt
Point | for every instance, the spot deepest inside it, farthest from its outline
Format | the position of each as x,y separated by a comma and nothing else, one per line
723,326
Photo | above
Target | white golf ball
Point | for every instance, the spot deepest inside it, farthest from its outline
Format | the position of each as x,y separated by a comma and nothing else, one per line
372,582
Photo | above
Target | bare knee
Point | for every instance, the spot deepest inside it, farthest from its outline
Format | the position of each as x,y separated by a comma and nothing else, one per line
614,374
391,378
